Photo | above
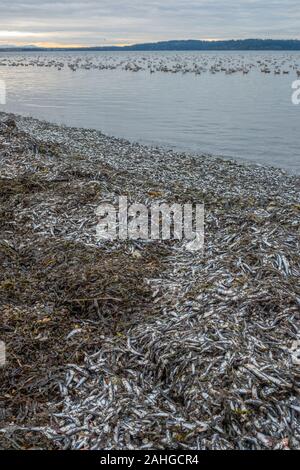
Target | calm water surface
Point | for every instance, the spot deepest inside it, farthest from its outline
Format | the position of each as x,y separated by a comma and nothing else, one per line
248,117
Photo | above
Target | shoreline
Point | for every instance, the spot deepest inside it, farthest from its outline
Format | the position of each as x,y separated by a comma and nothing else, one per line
158,347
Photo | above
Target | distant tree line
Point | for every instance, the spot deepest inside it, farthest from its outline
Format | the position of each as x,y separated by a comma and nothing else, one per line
231,45
189,45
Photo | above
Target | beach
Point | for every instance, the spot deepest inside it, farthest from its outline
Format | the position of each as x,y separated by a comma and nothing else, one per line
144,344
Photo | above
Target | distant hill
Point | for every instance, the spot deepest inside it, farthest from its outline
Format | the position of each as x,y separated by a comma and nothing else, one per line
12,47
7,46
231,45
186,45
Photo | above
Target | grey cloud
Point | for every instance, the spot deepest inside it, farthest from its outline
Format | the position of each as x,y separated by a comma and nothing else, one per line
112,21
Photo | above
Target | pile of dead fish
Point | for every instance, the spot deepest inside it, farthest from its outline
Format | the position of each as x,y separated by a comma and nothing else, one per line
140,344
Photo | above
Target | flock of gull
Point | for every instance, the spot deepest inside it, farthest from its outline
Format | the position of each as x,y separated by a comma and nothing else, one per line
166,62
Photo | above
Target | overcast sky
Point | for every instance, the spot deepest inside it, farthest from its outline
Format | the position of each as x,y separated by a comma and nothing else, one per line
105,22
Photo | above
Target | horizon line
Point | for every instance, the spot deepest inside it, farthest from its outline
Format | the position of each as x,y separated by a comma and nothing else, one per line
126,45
